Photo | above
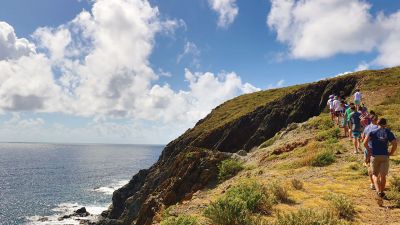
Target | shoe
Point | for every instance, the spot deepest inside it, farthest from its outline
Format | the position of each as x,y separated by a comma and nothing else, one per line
383,195
378,199
372,186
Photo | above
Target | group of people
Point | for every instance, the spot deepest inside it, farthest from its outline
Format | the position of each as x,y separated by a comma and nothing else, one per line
366,129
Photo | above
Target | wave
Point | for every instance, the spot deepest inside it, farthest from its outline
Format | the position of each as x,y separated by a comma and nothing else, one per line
109,190
67,209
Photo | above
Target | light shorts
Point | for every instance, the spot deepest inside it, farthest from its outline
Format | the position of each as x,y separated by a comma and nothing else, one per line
380,165
356,134
357,102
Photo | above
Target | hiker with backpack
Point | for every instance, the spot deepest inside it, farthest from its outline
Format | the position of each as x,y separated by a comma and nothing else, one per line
355,125
338,109
378,155
347,119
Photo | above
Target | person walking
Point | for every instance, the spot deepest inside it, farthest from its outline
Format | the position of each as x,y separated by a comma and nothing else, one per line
357,97
347,117
338,109
378,156
368,129
355,125
331,108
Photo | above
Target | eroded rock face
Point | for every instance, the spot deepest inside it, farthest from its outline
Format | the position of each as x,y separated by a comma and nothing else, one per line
189,163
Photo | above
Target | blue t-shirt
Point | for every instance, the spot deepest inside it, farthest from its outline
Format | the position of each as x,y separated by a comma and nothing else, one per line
355,121
380,139
368,129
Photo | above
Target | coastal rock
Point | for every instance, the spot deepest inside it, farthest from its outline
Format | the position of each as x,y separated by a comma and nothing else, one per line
241,152
189,163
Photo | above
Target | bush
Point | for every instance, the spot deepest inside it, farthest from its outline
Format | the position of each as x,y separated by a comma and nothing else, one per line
322,122
238,203
180,220
395,183
229,168
308,217
297,184
394,196
323,158
343,206
332,133
228,211
279,192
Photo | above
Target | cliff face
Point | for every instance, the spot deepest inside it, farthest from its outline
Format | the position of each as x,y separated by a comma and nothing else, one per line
189,163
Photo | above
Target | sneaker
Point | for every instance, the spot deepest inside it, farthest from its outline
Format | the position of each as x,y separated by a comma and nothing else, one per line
372,186
383,195
378,199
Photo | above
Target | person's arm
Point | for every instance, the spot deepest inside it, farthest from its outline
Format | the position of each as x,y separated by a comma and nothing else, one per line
394,147
366,140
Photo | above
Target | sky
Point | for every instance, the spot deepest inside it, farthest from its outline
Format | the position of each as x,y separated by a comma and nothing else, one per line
145,71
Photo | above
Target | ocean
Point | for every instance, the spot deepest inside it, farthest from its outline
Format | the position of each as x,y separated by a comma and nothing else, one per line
46,181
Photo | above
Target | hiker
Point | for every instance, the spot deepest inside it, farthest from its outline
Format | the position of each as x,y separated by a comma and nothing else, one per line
378,155
343,122
355,125
368,129
365,117
338,109
347,119
357,97
330,105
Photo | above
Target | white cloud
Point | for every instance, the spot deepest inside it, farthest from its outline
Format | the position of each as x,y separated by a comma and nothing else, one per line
278,84
12,47
362,66
190,50
227,11
315,29
97,66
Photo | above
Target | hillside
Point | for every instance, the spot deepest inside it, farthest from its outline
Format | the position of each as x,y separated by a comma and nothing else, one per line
184,179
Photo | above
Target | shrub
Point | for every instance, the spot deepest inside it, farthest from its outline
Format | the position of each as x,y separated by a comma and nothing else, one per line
322,122
297,184
238,203
394,196
229,168
180,220
343,206
308,217
228,211
395,183
332,133
270,141
323,158
279,192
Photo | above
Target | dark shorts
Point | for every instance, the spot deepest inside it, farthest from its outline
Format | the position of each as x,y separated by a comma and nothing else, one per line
332,111
380,165
338,113
356,134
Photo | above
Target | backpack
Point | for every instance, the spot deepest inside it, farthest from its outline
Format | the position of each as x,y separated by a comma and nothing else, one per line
355,122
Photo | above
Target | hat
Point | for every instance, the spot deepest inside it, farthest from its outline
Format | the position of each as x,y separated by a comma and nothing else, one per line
330,96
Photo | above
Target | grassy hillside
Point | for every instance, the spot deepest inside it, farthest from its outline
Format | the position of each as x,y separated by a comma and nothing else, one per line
306,174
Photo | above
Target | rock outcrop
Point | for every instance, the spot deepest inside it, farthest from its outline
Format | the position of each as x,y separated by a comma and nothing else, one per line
189,163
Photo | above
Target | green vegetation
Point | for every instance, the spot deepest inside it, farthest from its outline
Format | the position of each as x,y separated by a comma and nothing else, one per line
297,184
308,217
180,220
343,206
279,192
229,168
270,141
329,134
323,158
322,122
394,193
236,206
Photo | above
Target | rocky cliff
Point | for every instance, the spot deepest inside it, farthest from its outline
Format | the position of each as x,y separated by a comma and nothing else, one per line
189,163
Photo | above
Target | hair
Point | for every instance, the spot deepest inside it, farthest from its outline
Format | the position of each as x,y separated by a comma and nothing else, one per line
382,122
374,117
351,104
353,108
357,90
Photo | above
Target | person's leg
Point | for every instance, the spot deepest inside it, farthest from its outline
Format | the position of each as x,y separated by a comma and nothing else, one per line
374,171
382,182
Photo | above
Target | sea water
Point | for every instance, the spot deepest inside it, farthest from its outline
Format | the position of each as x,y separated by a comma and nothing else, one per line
50,180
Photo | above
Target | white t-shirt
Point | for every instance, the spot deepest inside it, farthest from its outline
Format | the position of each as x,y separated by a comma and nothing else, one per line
337,106
330,103
357,96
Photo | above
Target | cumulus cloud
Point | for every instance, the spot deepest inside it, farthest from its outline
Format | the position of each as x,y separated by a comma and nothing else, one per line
12,47
315,29
97,65
227,11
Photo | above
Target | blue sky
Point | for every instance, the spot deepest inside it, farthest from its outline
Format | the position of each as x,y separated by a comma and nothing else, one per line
72,75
